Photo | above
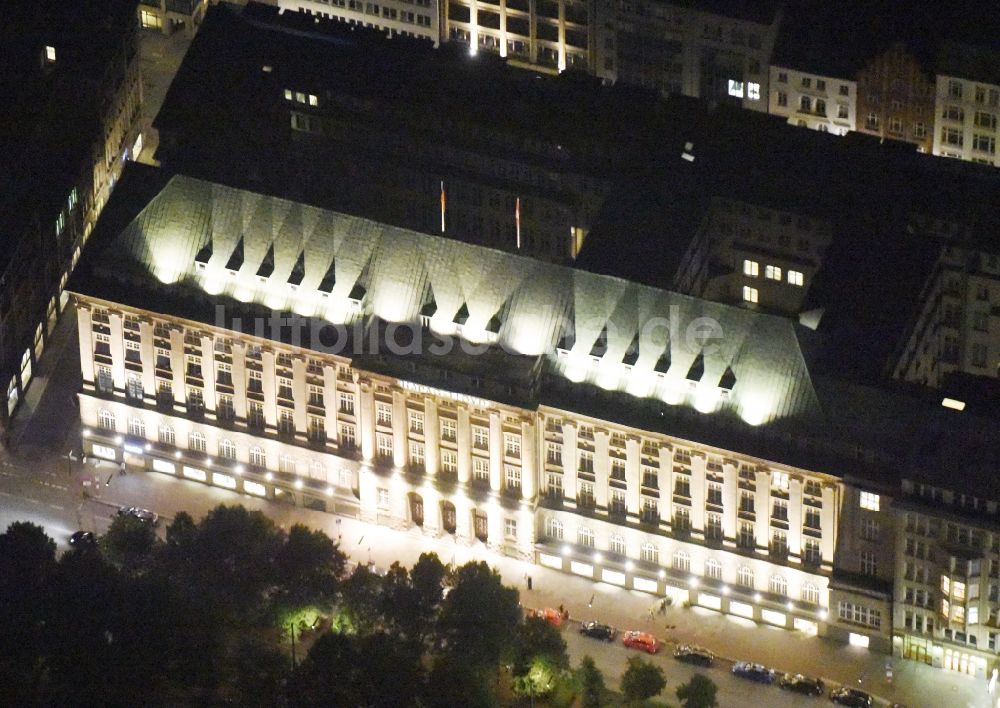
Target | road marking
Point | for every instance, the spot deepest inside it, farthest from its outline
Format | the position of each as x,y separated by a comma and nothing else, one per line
6,494
56,506
33,501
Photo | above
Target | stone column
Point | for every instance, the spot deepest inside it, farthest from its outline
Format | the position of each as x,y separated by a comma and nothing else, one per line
795,520
762,507
147,353
496,455
270,393
699,484
432,434
368,496
117,352
530,461
178,362
569,461
463,437
331,404
602,464
86,330
633,474
300,394
828,522
730,503
365,413
240,382
208,375
400,430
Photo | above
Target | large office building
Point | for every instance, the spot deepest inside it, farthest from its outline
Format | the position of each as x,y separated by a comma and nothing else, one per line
611,430
69,123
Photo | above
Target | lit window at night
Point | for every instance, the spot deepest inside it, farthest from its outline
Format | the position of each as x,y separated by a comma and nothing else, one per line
795,278
50,54
751,268
753,91
869,501
749,294
772,272
736,88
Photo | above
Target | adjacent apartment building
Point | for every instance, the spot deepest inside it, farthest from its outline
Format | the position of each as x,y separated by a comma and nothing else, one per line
896,98
815,101
967,103
396,18
70,122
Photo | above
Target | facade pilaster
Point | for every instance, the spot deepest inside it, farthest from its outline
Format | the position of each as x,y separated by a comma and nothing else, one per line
530,461
331,403
117,351
496,454
432,434
208,375
828,524
795,520
300,394
270,394
633,474
147,354
86,332
569,461
601,465
730,502
240,381
400,431
699,484
178,363
762,507
366,419
463,438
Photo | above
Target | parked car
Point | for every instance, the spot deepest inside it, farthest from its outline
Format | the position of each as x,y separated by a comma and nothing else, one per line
597,630
753,672
549,614
694,655
641,640
144,515
82,539
802,684
850,697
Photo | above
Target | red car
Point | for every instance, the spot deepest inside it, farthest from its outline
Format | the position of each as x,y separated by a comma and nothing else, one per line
550,615
641,640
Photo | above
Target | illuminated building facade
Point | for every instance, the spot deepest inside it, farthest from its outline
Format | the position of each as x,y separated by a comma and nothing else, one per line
72,88
967,104
611,430
815,101
397,18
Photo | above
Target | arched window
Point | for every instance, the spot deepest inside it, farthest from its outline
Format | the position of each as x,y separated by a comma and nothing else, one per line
713,569
166,435
196,442
682,561
106,420
649,553
778,585
616,544
585,537
554,529
136,427
745,577
810,593
227,450
317,470
257,457
287,465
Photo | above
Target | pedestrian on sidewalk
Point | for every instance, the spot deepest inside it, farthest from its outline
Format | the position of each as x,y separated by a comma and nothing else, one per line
121,469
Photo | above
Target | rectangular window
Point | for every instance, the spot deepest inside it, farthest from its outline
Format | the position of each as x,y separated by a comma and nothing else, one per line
868,563
554,486
511,445
772,272
480,469
347,438
449,461
749,294
751,268
384,445
448,430
869,501
480,437
416,422
346,403
510,528
795,278
315,395
383,414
